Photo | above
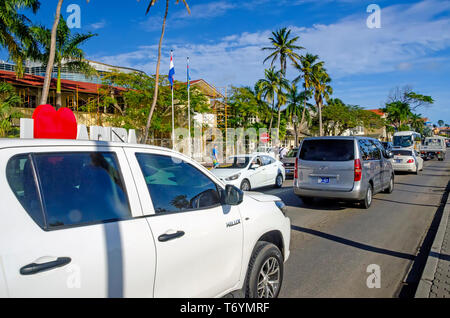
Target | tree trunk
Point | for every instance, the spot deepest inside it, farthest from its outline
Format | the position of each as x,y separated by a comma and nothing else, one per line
51,59
155,95
296,135
279,117
319,105
271,117
58,89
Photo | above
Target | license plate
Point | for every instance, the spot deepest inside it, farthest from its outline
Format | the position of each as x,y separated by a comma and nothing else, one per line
324,180
288,170
398,160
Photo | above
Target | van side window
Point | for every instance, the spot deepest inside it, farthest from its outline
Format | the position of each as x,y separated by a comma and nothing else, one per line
375,151
176,186
20,176
81,187
364,146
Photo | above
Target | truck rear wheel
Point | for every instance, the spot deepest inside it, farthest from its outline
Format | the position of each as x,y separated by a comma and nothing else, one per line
265,272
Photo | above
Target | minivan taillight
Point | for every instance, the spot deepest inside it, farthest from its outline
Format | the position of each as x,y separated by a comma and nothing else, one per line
358,170
296,169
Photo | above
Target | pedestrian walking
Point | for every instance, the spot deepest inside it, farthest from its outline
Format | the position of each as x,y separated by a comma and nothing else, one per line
215,156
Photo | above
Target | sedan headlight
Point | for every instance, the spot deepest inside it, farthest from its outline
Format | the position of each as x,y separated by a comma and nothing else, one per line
233,177
281,206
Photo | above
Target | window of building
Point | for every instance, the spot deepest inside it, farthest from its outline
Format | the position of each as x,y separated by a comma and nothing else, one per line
176,186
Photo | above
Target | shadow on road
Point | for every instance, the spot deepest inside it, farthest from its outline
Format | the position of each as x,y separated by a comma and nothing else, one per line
353,243
412,280
420,185
408,203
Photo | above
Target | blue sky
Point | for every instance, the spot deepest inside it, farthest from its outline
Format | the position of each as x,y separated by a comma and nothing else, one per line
223,39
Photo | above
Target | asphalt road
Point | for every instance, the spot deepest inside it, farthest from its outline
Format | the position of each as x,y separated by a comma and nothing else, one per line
333,243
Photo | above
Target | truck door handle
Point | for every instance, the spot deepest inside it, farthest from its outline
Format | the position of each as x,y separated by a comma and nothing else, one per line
172,236
34,268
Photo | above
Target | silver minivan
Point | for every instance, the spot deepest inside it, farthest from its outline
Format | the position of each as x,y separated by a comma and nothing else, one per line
343,168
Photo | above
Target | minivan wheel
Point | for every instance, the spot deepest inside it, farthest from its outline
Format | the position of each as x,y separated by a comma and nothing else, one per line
365,204
279,181
245,185
265,272
390,189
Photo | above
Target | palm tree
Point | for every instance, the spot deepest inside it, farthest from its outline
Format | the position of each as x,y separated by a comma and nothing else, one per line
307,68
283,48
440,122
155,94
67,52
268,88
296,107
397,113
14,30
283,87
51,55
417,123
322,90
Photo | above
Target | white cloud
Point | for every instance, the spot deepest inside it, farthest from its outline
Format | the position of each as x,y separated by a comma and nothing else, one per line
96,26
409,34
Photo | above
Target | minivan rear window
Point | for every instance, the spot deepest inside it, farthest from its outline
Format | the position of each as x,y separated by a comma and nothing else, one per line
327,150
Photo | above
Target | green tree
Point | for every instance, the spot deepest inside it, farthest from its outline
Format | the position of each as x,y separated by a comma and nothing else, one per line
308,66
283,48
271,89
440,122
322,90
68,53
417,123
8,100
296,102
14,30
398,113
155,94
244,107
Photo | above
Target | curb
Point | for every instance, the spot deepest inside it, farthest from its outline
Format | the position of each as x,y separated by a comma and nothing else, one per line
426,281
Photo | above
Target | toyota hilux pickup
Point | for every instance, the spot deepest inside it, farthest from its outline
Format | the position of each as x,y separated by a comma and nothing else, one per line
100,219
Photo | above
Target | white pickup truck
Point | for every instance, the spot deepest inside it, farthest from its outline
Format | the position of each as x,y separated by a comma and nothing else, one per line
98,219
433,147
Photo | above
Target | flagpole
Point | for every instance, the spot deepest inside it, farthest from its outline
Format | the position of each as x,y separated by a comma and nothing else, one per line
189,108
173,123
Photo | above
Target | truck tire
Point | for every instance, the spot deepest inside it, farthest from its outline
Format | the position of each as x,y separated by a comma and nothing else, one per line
265,272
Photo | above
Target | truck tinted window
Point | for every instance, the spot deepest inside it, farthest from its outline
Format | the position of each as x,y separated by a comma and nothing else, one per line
327,150
79,188
176,186
19,173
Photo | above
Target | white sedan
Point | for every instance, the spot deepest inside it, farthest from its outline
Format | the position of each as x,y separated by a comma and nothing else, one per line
251,171
406,160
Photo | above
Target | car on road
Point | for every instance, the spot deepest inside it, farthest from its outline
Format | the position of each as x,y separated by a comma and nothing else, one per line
342,168
289,162
101,219
251,171
433,147
407,160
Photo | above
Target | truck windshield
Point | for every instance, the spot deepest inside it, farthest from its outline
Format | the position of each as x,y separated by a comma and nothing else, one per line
403,141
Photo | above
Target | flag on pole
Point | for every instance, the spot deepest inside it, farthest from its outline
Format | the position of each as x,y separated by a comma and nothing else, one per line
188,76
171,70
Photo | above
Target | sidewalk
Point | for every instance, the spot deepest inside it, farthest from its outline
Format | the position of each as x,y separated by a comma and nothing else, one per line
435,281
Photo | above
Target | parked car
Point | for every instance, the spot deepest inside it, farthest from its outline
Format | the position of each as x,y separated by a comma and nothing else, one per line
251,171
343,168
99,219
406,160
289,162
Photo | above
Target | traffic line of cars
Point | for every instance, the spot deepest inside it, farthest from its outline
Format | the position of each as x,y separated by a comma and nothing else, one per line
101,219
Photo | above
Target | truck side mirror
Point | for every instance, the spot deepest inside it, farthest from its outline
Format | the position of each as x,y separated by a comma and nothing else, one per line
232,195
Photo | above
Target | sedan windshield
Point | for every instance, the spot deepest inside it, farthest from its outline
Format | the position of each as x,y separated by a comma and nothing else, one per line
237,163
